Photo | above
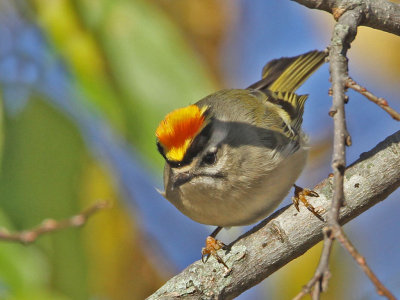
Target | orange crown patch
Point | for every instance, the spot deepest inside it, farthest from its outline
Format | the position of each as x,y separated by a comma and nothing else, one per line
177,131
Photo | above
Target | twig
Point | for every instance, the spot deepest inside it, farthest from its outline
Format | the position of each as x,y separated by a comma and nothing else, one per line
350,83
343,34
345,242
321,275
50,225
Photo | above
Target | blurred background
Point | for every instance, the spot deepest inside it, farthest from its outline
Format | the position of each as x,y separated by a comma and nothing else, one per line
83,86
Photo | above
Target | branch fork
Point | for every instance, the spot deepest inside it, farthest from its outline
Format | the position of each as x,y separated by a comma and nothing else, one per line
349,16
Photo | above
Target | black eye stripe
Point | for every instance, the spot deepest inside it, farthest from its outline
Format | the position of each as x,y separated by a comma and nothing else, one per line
210,158
195,148
199,142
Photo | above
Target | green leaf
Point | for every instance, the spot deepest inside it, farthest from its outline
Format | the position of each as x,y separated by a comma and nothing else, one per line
40,179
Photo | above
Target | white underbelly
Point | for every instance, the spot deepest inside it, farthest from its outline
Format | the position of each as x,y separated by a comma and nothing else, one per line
243,207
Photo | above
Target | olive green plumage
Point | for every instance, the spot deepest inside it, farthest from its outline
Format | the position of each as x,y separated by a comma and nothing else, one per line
281,78
245,160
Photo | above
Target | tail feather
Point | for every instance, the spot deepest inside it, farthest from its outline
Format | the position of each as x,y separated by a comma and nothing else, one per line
287,74
294,75
281,78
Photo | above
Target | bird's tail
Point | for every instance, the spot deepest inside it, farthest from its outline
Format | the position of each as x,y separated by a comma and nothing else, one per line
287,74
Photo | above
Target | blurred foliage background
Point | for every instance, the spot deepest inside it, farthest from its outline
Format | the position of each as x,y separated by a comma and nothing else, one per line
83,86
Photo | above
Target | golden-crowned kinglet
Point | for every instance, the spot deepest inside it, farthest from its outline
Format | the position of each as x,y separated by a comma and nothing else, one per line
233,156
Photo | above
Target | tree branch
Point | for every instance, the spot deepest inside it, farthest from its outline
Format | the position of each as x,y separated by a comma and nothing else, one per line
379,14
377,100
287,234
343,34
381,289
349,14
50,225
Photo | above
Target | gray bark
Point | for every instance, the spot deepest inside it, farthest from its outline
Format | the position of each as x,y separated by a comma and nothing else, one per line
287,234
379,14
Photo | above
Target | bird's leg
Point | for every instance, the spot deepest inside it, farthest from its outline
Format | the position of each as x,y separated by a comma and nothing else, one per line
212,246
300,195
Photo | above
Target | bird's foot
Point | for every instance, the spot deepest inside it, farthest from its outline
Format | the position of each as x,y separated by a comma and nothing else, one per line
300,195
211,248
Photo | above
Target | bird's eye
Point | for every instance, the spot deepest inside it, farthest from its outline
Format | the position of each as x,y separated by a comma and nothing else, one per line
209,158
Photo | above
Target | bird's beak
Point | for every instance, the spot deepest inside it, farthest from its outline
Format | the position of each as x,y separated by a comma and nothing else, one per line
181,178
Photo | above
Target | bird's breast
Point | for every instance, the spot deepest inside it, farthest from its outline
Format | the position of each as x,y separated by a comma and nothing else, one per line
224,203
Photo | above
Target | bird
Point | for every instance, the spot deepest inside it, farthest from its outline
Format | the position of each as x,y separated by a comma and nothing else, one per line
233,156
